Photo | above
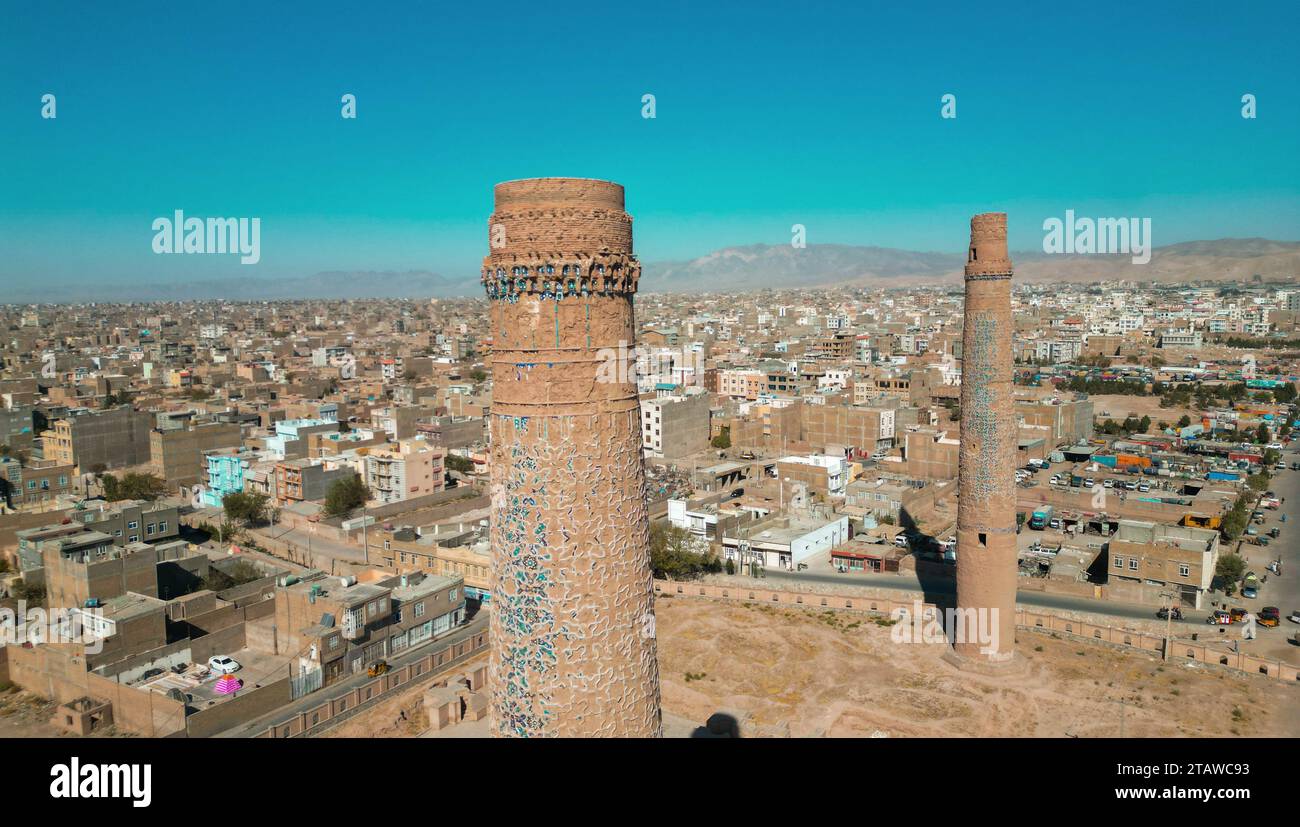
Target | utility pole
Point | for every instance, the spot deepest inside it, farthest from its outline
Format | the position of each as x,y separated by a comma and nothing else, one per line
1169,623
365,541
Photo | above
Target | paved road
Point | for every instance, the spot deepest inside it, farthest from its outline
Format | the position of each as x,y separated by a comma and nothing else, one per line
1282,591
317,549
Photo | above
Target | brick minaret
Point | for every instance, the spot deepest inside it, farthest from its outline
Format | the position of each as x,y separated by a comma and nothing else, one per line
573,649
986,506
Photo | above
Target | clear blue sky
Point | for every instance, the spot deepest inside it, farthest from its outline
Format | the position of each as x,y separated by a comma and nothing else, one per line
768,114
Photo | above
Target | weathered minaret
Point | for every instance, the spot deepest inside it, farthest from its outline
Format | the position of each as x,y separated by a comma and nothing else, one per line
986,508
573,648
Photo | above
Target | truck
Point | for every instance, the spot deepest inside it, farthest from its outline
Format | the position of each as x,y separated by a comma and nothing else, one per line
1042,517
1202,521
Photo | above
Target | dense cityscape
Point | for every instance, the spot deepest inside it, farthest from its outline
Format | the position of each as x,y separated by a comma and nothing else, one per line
416,406
213,478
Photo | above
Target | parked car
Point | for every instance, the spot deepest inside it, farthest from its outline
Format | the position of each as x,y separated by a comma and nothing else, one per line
1270,616
1238,614
1163,613
377,668
1108,483
1250,593
1219,618
1295,616
223,664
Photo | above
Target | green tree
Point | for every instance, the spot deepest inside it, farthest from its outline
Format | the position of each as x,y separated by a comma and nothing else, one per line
1228,571
345,495
248,506
1262,434
227,531
133,486
459,464
1238,517
723,439
672,554
1184,421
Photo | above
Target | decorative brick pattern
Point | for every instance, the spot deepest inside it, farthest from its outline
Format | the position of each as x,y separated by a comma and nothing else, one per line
573,650
986,505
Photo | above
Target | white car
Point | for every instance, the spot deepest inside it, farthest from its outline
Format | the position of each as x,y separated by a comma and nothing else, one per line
223,664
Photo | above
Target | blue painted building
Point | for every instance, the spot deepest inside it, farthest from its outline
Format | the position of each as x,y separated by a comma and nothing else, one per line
225,476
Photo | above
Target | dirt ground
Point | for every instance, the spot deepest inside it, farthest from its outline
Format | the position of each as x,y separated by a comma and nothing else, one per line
385,719
1118,407
24,715
800,672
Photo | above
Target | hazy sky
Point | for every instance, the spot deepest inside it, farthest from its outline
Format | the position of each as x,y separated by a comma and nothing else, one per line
767,115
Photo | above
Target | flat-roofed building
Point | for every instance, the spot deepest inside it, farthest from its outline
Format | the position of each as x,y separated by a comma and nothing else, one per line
1146,559
821,474
90,440
675,426
176,455
404,470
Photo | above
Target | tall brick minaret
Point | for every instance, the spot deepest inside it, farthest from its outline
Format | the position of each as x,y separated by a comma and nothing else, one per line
986,508
573,648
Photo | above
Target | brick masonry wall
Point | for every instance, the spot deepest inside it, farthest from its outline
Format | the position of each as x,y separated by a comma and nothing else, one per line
1134,640
986,505
570,531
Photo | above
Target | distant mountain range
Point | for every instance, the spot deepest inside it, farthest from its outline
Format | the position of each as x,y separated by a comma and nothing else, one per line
759,266
737,269
371,284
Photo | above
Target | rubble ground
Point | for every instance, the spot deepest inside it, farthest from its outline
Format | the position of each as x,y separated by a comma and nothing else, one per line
802,672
